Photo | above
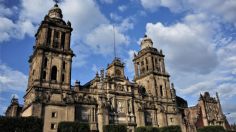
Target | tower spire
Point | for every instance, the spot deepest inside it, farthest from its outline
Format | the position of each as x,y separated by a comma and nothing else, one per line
114,41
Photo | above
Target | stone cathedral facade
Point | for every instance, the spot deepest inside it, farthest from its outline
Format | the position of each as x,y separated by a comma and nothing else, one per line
110,97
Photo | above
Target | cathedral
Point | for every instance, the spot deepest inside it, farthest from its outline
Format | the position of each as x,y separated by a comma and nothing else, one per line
110,97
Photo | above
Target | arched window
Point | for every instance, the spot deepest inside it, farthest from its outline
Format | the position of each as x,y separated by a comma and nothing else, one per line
63,78
49,36
161,90
54,73
63,40
64,65
45,62
44,75
56,39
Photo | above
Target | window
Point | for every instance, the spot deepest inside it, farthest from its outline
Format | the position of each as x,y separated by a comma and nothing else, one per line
64,65
63,78
54,73
171,119
146,60
148,118
33,72
138,66
49,36
161,90
54,114
63,40
56,39
45,62
53,126
152,63
142,63
44,75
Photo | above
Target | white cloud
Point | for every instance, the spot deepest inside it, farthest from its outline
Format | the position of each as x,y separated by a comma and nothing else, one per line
9,29
6,29
126,24
115,17
95,68
17,28
84,16
196,59
81,56
188,45
173,5
34,10
229,110
122,8
153,5
129,62
11,79
4,11
224,10
107,1
87,21
101,39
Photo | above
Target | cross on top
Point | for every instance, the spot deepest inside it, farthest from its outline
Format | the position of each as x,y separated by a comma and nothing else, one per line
56,1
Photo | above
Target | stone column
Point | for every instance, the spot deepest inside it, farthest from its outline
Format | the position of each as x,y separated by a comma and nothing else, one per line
155,123
68,72
140,119
102,115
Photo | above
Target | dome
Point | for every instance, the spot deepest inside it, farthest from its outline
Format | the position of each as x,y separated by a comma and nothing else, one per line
55,12
146,42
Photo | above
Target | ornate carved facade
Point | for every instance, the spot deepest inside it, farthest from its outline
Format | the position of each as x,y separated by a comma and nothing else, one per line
109,98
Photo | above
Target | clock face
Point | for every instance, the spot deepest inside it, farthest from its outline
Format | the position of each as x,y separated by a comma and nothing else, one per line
118,72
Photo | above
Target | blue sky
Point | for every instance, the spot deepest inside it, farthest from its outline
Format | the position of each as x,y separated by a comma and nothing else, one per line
197,37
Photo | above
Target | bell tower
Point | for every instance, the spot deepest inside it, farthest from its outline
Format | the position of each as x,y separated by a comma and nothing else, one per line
150,73
150,70
50,63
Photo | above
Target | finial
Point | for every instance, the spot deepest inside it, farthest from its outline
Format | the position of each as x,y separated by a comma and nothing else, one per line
69,23
172,86
217,96
56,2
77,83
134,54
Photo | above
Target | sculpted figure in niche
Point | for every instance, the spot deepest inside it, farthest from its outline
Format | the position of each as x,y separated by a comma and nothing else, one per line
120,107
47,96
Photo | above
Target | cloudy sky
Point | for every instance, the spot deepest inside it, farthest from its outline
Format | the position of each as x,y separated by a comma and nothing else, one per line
198,38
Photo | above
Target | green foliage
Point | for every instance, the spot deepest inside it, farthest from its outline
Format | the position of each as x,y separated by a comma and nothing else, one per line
73,127
147,129
212,129
155,129
114,128
21,124
170,129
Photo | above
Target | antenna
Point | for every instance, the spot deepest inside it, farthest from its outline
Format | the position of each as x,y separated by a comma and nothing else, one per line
114,38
